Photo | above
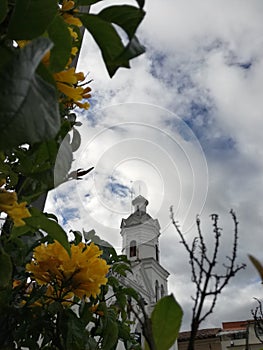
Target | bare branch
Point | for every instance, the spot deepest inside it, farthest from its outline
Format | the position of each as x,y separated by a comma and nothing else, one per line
209,283
258,318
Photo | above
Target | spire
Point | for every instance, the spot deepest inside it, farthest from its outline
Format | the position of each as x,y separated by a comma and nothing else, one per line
139,204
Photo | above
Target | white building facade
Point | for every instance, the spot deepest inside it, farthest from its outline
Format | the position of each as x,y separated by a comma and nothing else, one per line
140,242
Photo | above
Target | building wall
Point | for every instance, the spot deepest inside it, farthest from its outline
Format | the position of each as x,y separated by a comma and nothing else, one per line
202,344
230,341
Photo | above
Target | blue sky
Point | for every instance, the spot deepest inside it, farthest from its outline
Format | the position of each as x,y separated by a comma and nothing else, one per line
182,127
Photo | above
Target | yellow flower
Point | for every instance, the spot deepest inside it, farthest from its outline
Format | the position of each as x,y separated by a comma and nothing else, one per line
67,13
94,310
16,283
68,5
67,81
19,212
81,274
69,19
68,76
74,51
9,205
73,34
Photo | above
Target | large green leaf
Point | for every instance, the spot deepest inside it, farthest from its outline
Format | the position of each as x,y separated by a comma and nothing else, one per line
61,51
166,320
114,53
29,109
5,269
3,10
126,16
31,18
106,37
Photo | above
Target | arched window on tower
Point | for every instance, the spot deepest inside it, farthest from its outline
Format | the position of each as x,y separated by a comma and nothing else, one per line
162,291
133,249
156,290
157,252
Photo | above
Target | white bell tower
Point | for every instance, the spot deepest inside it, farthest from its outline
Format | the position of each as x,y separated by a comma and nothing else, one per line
140,242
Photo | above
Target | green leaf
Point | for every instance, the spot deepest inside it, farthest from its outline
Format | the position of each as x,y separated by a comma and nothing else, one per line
132,50
5,270
40,221
110,331
63,161
141,3
107,39
126,16
6,55
31,18
114,53
73,330
166,320
257,265
3,10
87,2
29,109
76,140
61,51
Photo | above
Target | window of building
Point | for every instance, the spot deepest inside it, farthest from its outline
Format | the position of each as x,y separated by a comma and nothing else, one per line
162,291
156,290
133,249
157,252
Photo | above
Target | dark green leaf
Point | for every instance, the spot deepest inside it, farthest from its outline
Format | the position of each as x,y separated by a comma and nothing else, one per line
61,51
6,55
38,221
87,2
141,3
5,269
73,330
131,292
76,140
29,110
3,10
85,312
257,264
110,331
132,50
107,39
31,18
63,161
166,320
114,53
46,74
78,237
126,16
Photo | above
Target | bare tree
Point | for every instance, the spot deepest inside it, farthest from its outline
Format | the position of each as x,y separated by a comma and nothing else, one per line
208,282
257,314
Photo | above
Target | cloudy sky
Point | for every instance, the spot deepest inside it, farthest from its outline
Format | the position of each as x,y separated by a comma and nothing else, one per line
183,127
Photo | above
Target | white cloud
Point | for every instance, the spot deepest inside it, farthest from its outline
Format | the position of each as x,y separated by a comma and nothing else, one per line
195,67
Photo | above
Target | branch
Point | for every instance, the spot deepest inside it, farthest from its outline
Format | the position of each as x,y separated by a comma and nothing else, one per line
208,282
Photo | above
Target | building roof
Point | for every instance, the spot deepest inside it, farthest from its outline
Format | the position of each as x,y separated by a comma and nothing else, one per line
136,218
235,325
201,334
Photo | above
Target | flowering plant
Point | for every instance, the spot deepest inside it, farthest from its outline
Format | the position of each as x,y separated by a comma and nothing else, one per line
54,293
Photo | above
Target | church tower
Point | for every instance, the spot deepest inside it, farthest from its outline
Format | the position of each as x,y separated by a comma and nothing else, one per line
140,242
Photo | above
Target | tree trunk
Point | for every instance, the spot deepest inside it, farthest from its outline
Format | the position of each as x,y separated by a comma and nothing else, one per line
194,329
